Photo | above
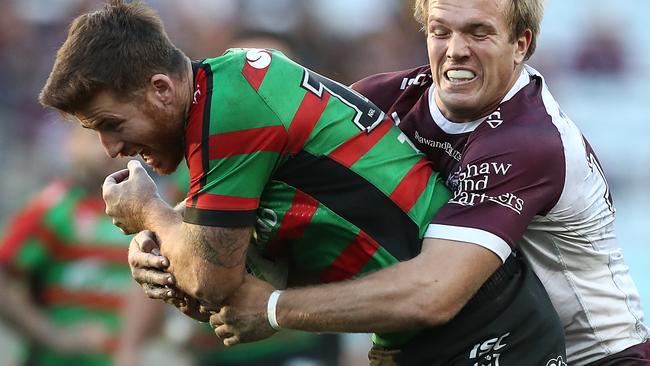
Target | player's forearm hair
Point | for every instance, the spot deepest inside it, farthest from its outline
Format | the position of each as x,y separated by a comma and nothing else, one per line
224,247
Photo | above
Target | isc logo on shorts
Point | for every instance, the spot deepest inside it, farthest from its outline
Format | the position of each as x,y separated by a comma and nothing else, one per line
487,353
559,361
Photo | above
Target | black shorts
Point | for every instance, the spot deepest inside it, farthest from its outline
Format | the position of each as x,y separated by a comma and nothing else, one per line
509,322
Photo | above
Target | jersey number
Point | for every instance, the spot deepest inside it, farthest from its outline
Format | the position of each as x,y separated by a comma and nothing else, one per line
367,115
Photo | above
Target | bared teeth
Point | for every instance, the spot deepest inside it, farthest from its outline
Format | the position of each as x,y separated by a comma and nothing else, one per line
460,74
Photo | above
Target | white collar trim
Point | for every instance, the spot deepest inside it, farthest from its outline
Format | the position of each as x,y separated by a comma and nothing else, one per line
454,128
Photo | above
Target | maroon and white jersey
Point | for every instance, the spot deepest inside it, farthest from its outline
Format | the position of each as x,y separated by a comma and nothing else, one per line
525,178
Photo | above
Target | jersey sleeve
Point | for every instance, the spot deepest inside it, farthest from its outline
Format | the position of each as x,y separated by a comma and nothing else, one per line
234,141
383,89
499,187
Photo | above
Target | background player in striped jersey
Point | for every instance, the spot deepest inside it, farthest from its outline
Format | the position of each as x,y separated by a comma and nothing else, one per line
66,285
330,183
523,174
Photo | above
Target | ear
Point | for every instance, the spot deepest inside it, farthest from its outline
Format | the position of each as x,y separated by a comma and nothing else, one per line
162,89
521,46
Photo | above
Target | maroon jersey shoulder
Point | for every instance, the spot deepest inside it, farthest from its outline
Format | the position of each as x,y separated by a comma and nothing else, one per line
386,89
512,168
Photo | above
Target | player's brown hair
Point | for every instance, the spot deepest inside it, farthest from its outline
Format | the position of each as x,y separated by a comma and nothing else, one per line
520,14
115,49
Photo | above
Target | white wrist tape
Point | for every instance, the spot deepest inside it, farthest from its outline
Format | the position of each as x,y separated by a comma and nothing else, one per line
271,309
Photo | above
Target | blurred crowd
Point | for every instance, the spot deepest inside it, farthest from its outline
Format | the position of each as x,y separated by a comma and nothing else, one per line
595,53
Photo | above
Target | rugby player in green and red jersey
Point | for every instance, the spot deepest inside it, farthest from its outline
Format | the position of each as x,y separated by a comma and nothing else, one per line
326,180
70,260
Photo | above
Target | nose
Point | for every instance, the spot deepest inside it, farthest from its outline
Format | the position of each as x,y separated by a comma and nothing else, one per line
112,145
457,47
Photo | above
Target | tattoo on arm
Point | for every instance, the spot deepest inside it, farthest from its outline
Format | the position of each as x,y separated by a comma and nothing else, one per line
225,247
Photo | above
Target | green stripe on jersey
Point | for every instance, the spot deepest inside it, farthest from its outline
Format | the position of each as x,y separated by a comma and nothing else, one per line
243,109
258,166
283,100
333,128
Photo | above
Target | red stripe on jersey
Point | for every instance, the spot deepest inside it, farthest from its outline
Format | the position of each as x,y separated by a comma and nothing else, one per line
77,251
412,185
227,144
351,260
358,145
28,222
19,230
295,220
89,299
194,132
209,201
255,76
306,117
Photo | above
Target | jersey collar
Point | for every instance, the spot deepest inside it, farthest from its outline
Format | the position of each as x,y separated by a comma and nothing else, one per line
455,128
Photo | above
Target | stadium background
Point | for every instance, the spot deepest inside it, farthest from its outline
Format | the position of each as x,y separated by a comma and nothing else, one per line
595,55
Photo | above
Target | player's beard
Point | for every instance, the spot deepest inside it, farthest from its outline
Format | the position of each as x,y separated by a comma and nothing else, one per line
166,140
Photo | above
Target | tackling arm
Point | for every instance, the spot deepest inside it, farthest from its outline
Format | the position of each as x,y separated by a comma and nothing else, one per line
428,290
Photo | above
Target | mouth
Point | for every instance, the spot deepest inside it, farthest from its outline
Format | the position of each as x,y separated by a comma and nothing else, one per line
146,157
460,76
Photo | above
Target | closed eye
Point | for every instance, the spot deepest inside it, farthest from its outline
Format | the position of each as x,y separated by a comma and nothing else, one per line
439,32
109,124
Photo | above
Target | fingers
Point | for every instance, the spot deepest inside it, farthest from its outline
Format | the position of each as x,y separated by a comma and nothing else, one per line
115,178
152,276
216,320
168,294
146,241
136,170
139,259
135,167
231,341
228,334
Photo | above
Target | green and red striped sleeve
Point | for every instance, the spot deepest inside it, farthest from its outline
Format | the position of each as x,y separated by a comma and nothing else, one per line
234,141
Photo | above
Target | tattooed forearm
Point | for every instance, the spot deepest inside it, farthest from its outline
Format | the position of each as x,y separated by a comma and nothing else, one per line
225,247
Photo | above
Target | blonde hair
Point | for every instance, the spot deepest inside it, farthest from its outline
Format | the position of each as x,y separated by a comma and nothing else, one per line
520,15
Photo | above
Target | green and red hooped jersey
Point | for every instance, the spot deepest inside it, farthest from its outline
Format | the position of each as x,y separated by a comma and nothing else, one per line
319,170
326,179
74,260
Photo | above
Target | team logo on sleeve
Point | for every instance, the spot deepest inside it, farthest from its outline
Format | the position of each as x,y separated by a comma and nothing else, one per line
256,66
419,80
258,58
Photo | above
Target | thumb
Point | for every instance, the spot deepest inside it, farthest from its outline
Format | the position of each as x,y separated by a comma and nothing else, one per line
147,242
135,167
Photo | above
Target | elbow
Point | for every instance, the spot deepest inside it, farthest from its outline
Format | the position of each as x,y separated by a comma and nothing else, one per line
211,288
210,285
